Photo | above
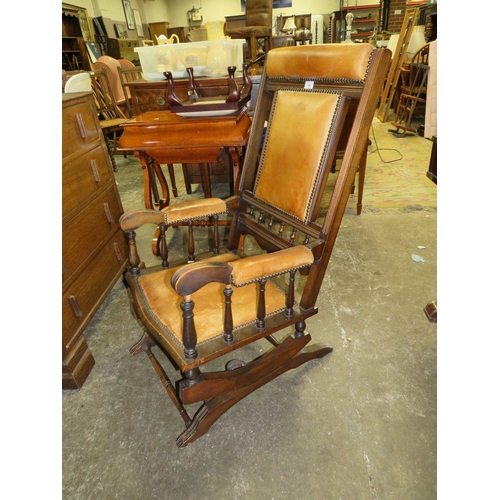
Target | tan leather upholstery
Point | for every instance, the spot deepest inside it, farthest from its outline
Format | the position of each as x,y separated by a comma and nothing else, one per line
195,209
315,61
209,318
173,213
213,308
292,109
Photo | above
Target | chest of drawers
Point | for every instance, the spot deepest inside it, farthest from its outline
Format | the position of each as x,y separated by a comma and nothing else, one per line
93,246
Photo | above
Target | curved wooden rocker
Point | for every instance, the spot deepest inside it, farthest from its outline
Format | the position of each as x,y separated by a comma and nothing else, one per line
218,303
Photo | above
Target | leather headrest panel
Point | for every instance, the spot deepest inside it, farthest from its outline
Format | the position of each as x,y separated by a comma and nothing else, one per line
345,62
298,131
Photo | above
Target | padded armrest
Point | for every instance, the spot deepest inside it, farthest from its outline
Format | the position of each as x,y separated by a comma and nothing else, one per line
192,277
173,214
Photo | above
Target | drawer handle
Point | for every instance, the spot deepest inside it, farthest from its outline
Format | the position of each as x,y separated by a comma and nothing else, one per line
107,211
81,125
117,251
73,301
95,170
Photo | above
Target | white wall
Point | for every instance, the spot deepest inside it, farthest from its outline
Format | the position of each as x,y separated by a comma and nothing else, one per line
175,11
215,10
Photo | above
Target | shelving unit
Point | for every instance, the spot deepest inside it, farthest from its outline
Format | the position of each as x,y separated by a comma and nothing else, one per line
75,32
365,21
365,24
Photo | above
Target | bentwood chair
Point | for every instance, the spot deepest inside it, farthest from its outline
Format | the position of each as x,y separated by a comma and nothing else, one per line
259,25
211,305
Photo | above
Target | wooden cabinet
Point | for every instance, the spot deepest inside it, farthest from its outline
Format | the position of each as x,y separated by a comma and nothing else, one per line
157,29
93,245
123,48
75,32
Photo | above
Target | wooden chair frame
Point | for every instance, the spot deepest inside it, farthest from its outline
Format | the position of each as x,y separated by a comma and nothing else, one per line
258,18
110,116
296,238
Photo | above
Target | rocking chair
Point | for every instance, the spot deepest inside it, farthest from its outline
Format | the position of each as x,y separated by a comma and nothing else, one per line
214,304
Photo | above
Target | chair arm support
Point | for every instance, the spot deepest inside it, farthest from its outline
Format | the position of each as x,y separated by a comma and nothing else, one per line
173,214
192,277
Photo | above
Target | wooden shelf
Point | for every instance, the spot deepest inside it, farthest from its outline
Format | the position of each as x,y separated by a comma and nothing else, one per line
362,7
338,29
75,31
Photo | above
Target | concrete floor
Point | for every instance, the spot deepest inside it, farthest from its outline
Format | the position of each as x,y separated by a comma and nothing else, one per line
357,424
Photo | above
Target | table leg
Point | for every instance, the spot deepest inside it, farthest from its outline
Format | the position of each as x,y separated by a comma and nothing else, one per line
150,171
236,155
161,202
172,179
205,175
147,178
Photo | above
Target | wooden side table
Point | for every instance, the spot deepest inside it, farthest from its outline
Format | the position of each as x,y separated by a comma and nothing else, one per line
157,137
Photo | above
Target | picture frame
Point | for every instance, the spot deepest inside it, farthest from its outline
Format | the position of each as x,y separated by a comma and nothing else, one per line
138,22
277,4
129,16
92,51
121,30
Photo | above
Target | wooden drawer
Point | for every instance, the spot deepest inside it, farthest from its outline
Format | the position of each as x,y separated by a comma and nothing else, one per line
152,100
87,292
83,177
83,234
79,128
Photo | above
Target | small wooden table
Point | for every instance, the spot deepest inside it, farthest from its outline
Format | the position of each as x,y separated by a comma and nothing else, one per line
159,137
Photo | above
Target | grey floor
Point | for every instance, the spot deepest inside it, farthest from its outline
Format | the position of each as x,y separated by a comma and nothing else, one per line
357,424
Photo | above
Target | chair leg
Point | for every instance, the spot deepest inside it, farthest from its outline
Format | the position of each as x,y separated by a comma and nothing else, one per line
110,152
222,390
145,345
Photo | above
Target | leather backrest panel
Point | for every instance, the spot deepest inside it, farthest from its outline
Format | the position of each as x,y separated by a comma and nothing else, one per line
298,131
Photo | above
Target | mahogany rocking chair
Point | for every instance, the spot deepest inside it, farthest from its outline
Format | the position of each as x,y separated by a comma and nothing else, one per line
198,311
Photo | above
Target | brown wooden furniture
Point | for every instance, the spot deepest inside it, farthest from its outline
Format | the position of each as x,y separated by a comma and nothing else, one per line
180,31
211,307
110,115
93,247
151,95
365,22
75,32
258,24
159,137
413,90
125,76
148,96
398,58
157,29
111,66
